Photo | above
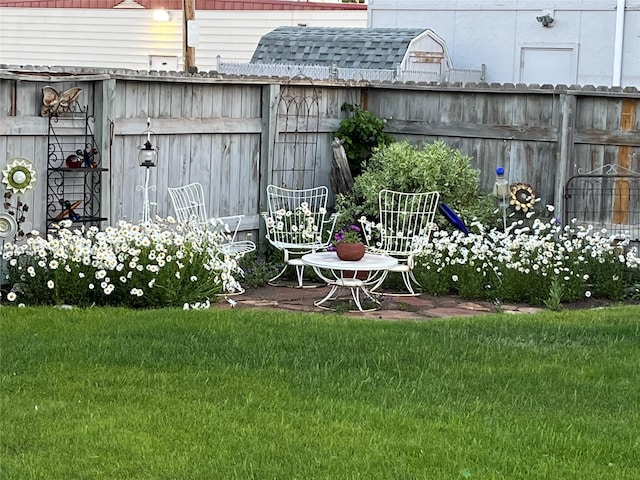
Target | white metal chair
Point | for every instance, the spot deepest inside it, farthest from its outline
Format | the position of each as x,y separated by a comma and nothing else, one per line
188,203
404,229
297,223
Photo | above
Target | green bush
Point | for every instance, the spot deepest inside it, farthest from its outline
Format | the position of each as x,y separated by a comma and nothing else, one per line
259,268
361,133
404,167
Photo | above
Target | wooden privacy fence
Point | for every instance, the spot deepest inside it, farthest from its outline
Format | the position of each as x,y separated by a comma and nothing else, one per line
237,135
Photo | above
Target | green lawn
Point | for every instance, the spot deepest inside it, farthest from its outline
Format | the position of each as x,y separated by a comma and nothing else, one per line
225,394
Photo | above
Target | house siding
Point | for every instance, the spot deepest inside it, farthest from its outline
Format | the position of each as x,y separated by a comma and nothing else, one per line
126,38
495,33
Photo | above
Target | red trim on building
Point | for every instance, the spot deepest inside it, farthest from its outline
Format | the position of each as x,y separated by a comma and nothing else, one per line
177,4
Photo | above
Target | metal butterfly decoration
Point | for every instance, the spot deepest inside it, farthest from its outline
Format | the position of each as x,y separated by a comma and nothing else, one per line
54,103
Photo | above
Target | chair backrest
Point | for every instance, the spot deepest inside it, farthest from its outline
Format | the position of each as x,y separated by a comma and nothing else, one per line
406,220
296,217
188,204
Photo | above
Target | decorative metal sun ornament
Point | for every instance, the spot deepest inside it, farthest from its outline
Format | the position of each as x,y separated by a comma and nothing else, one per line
523,197
19,175
8,225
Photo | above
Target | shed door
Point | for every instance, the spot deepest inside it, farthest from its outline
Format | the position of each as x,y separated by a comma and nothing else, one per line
552,65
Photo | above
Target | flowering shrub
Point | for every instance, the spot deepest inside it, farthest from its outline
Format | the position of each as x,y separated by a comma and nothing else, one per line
521,263
156,265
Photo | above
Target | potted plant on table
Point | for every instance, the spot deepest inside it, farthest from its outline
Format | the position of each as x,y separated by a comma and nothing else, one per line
348,243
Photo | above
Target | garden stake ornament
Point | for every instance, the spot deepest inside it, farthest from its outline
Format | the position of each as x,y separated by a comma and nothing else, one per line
147,158
501,192
18,176
8,229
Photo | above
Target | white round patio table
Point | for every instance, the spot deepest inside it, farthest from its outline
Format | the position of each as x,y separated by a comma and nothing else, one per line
344,275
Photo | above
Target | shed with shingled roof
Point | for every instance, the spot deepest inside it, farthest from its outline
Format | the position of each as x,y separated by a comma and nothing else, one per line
395,49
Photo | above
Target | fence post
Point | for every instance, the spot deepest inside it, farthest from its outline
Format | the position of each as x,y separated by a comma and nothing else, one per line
566,148
270,97
105,94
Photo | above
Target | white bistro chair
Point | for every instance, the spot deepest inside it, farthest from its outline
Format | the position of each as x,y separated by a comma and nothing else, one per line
403,231
297,223
190,209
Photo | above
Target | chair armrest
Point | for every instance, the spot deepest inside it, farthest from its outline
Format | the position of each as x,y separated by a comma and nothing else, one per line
224,222
331,222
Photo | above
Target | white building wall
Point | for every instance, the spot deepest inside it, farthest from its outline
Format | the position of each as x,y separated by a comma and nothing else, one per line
126,38
495,32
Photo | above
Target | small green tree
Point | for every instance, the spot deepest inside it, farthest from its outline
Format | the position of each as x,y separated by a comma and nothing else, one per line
361,133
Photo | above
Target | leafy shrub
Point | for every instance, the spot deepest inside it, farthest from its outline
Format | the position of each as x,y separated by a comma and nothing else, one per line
258,269
404,167
361,133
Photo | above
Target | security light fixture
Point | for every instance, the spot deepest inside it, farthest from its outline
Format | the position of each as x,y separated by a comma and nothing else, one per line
546,20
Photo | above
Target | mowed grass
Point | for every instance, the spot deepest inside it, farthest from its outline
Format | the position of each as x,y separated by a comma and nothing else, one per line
245,394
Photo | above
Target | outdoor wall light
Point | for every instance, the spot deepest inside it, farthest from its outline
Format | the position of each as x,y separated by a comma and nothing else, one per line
161,15
546,20
147,157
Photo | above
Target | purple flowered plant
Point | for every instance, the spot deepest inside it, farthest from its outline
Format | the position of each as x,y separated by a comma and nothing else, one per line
350,234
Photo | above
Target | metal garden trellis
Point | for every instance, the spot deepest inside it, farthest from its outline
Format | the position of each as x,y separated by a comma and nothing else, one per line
296,140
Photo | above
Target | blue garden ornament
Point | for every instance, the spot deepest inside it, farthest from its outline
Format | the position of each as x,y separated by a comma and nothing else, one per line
453,218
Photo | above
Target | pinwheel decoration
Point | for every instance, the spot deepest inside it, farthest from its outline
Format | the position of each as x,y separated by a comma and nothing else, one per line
18,175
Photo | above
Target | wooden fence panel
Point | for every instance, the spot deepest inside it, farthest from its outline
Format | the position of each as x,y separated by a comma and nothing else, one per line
200,143
215,132
607,139
498,128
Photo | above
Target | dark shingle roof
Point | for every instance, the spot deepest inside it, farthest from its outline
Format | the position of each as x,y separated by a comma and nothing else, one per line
382,48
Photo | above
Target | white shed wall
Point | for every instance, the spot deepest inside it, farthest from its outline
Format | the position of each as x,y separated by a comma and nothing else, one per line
126,38
494,33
